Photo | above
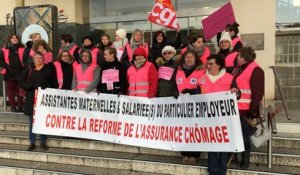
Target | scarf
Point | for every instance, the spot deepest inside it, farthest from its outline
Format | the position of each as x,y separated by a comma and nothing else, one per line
214,78
135,45
139,64
199,51
67,48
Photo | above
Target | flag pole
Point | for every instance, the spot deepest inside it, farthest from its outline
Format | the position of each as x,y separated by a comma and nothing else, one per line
145,26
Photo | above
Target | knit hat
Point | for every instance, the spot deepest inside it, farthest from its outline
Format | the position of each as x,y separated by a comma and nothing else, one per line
140,51
225,36
121,33
168,48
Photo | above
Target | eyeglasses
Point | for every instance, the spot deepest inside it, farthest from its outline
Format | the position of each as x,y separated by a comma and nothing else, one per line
166,53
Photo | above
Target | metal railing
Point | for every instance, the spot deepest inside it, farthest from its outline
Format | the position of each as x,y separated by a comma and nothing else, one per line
271,117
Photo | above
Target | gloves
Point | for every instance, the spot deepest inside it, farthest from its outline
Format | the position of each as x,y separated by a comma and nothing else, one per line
176,95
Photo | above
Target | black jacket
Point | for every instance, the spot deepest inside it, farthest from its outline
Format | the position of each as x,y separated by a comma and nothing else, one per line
118,87
67,70
31,79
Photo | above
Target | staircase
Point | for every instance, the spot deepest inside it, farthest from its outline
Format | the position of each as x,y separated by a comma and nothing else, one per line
79,156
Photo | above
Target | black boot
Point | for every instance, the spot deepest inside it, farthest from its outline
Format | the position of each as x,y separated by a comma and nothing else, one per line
245,160
44,146
31,147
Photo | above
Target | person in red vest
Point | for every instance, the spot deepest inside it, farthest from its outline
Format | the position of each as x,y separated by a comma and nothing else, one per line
12,62
250,80
97,54
227,53
189,71
216,79
67,44
197,43
136,41
233,30
87,75
65,66
142,76
43,47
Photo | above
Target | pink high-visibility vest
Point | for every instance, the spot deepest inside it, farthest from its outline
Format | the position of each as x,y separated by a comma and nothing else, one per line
85,78
229,60
130,50
203,58
6,57
235,40
190,82
222,84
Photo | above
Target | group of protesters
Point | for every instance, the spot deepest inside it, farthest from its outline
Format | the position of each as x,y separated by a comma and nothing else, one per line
132,67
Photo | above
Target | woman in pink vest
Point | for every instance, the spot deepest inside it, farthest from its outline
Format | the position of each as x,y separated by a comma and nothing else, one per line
65,66
87,75
67,44
142,76
12,63
251,82
216,79
197,43
189,71
136,41
227,53
97,54
43,47
233,30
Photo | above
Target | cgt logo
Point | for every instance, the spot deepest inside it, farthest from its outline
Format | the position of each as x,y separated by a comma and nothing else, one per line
163,15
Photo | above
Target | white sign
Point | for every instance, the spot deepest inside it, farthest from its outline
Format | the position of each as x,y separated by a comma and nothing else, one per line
208,122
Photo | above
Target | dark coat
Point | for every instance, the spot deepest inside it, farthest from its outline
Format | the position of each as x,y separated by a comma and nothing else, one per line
167,88
15,67
67,70
118,87
31,79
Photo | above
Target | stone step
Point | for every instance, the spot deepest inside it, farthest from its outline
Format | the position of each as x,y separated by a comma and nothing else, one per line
280,140
20,167
129,161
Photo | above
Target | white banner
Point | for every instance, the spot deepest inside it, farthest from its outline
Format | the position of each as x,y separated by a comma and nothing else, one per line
206,122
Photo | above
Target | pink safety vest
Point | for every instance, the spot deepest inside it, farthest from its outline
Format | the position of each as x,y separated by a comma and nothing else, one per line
48,57
222,84
85,78
243,83
235,40
6,57
138,80
59,73
203,58
71,51
229,60
130,51
190,82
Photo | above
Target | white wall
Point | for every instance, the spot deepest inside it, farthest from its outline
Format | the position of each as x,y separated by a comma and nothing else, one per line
257,16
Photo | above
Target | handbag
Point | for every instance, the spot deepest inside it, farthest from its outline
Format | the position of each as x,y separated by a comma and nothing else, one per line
262,133
22,92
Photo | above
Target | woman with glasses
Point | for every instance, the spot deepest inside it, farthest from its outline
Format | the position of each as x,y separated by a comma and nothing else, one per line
166,73
216,79
65,66
37,75
189,71
197,43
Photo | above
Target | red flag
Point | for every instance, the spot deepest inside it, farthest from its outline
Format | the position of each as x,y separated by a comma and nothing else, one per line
163,14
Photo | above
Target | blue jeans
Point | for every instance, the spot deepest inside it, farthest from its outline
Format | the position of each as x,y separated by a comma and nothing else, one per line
217,162
32,136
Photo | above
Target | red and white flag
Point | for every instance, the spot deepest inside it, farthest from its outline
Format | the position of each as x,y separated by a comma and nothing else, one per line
163,14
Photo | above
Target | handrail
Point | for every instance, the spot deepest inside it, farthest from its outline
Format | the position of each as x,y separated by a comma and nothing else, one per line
4,95
281,94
